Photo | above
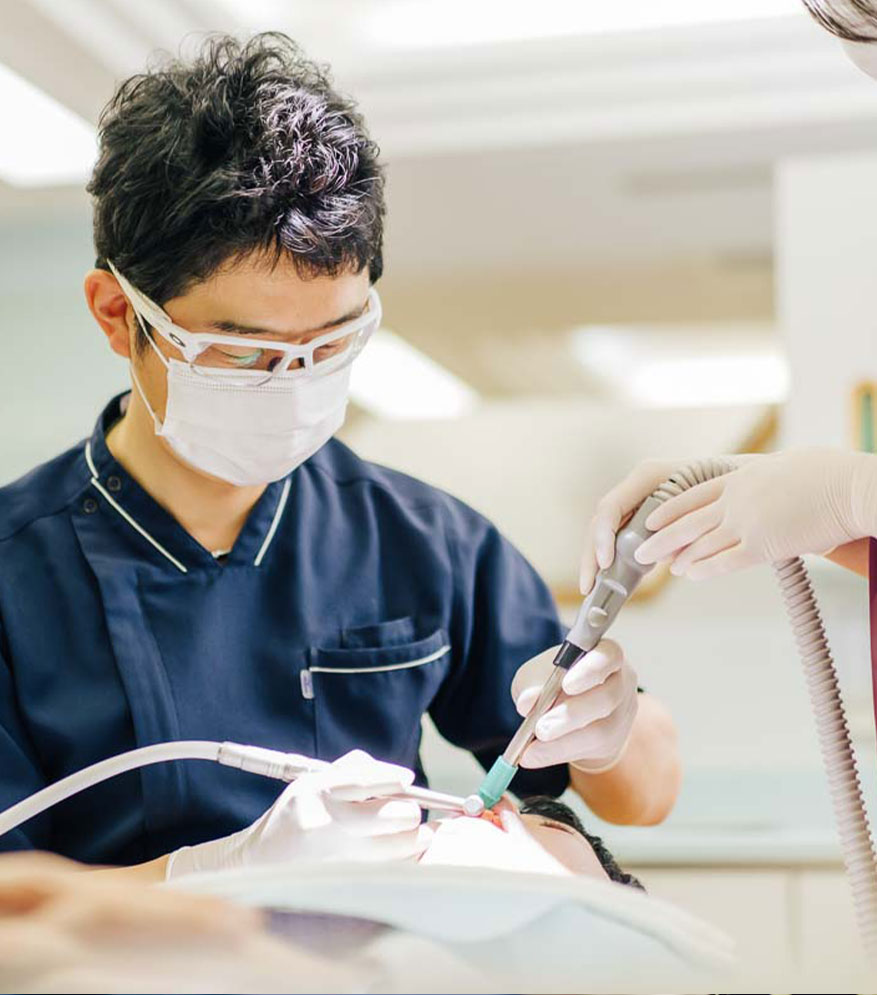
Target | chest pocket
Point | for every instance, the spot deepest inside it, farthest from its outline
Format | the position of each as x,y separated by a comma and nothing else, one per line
371,693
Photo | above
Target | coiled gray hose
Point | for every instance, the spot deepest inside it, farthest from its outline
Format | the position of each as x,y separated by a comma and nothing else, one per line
831,725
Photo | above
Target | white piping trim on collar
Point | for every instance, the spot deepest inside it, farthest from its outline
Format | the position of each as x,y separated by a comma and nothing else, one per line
95,482
281,504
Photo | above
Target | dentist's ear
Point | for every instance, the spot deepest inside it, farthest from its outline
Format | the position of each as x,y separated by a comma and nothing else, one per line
111,310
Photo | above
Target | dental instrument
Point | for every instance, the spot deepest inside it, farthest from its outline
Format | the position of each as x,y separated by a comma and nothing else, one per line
254,759
614,585
598,611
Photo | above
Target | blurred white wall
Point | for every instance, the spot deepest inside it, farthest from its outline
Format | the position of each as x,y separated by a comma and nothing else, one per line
826,257
537,466
56,370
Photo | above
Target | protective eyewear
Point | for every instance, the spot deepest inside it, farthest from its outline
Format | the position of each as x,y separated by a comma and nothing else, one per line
255,361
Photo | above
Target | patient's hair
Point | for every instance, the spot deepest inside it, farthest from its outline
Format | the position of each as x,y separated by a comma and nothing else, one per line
852,20
551,808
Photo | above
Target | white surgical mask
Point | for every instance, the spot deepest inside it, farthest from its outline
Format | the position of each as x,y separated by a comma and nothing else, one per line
249,434
251,426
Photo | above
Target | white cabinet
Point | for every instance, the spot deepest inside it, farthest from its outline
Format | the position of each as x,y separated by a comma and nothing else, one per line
794,926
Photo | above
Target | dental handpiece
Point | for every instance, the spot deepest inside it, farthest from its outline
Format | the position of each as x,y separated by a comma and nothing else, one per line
612,587
254,759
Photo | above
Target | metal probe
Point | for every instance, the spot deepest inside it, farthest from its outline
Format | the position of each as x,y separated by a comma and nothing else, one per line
294,766
612,587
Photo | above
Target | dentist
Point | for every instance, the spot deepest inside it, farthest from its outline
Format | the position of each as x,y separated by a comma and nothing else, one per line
211,564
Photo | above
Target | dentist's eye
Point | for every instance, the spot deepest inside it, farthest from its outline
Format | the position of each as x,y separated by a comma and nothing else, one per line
249,360
236,358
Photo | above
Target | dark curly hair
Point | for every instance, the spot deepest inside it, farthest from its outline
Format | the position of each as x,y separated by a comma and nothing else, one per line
245,148
852,20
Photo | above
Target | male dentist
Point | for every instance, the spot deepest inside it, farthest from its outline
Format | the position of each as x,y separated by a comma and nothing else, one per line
210,563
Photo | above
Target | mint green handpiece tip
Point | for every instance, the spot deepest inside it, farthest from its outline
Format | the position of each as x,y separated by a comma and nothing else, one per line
498,778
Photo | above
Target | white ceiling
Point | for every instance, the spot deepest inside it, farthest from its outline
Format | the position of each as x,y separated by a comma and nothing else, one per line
590,147
582,152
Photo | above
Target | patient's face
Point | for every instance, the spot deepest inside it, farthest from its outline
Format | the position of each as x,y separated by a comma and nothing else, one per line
525,843
565,844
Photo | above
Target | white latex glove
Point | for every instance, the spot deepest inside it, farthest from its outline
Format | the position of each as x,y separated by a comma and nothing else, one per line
336,813
771,508
592,720
615,508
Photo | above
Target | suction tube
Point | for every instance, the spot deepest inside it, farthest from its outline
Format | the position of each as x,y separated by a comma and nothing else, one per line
268,763
831,726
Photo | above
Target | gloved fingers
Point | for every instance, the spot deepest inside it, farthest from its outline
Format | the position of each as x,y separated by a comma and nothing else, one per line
377,817
735,558
604,659
613,508
391,846
598,745
707,546
681,533
578,711
529,678
618,732
357,776
683,504
361,793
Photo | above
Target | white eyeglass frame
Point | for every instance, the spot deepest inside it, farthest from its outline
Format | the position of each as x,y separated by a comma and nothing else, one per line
192,344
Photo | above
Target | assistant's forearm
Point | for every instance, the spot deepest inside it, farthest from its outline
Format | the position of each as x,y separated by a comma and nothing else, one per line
852,556
642,787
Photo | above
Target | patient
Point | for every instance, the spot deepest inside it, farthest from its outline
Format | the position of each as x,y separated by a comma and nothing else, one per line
543,836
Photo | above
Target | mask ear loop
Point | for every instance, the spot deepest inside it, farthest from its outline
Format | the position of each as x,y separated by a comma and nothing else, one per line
155,419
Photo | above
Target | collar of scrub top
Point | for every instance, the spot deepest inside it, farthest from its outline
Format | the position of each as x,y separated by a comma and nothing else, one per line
133,510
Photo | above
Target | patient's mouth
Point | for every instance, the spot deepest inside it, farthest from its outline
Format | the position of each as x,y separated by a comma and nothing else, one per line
492,817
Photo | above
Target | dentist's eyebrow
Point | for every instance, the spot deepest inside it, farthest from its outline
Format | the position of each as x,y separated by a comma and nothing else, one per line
235,328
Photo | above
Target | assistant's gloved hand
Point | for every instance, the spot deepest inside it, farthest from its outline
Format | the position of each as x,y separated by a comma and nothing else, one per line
771,508
591,722
616,507
336,813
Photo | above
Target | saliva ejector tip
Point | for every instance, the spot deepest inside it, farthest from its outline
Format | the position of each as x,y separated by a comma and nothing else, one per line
494,785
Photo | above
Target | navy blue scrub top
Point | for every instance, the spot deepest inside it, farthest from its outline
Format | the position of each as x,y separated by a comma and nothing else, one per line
354,600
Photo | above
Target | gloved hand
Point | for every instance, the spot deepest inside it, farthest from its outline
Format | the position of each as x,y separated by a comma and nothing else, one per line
592,720
616,507
773,507
335,813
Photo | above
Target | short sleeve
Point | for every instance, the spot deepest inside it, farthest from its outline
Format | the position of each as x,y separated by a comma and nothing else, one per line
21,775
503,615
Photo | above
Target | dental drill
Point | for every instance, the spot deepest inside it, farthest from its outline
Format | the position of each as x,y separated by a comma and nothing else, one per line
254,759
614,585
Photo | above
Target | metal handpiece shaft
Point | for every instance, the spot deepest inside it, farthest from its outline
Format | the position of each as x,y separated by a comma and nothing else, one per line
526,730
612,587
428,799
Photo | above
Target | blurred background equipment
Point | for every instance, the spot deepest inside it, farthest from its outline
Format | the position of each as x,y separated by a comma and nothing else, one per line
615,230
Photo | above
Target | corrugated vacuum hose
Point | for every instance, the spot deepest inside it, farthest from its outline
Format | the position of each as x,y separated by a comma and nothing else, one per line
832,731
